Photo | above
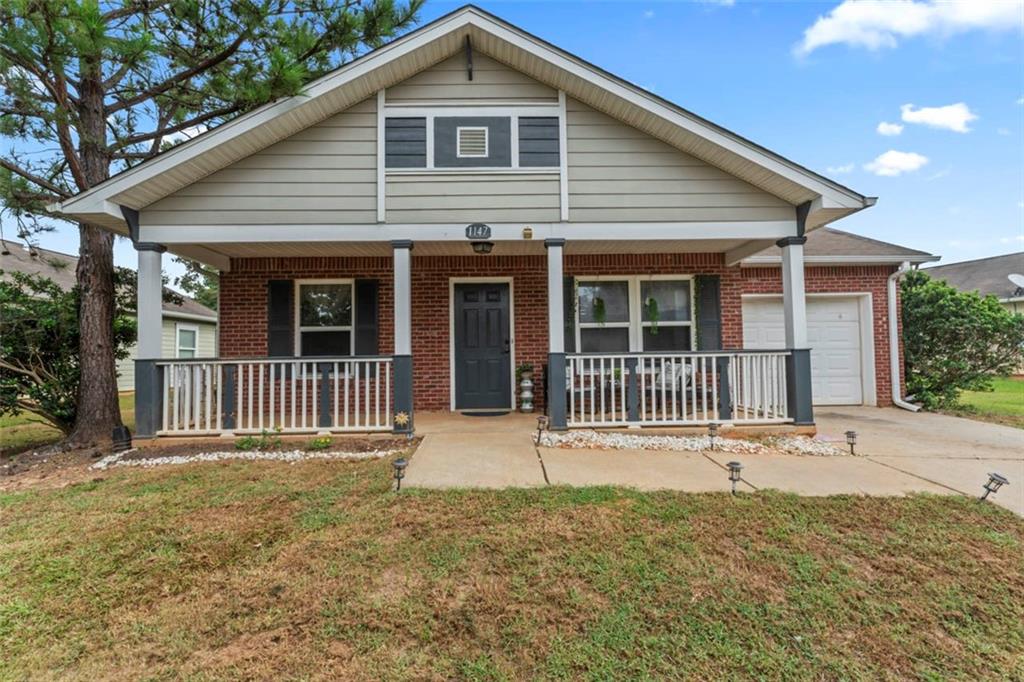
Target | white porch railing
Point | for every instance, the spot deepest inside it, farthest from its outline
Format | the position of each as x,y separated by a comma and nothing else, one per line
205,397
676,389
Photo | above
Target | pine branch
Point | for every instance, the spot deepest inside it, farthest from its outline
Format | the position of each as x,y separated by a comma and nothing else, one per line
33,178
197,120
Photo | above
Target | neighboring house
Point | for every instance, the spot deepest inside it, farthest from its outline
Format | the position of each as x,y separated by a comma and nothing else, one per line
988,276
468,199
189,329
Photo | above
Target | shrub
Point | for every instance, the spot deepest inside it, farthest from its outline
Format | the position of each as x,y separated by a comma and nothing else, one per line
320,443
955,341
267,440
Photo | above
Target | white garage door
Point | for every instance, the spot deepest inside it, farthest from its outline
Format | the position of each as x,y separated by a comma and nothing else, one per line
833,327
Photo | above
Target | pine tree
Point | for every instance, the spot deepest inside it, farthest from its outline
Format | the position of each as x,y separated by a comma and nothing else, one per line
91,87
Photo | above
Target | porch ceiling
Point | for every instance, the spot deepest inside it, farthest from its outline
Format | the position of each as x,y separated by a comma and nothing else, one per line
533,247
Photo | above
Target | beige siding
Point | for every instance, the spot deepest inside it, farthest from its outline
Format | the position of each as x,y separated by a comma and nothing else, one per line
449,81
472,197
207,348
617,173
326,174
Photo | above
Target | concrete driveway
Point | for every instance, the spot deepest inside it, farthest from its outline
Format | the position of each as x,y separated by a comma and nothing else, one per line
901,452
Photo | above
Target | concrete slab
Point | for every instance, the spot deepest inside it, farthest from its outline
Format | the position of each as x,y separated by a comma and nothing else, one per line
967,476
826,475
475,460
892,432
454,422
641,469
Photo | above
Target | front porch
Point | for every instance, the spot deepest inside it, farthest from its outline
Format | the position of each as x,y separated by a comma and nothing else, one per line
351,343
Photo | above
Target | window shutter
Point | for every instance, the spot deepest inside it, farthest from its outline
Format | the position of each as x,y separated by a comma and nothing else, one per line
569,310
709,312
280,317
367,321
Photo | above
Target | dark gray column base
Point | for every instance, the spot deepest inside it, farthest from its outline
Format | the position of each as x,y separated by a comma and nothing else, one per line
403,393
556,392
798,386
148,398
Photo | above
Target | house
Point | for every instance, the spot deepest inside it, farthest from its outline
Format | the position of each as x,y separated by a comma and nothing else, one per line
988,276
469,199
188,329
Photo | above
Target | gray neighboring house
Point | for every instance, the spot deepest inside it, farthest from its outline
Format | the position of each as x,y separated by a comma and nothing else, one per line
987,276
189,329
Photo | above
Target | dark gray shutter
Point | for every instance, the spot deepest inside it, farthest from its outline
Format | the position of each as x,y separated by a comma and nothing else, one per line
405,142
280,317
569,304
709,312
367,320
538,141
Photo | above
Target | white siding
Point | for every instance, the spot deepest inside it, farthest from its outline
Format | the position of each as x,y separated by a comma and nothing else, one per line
617,173
326,174
472,197
207,348
449,81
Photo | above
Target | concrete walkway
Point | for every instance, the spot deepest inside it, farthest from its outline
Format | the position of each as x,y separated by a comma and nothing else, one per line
901,453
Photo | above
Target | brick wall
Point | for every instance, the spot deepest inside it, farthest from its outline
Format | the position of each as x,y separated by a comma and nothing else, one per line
842,279
243,307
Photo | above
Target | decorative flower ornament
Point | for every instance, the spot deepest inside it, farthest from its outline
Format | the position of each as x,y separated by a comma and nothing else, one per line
401,418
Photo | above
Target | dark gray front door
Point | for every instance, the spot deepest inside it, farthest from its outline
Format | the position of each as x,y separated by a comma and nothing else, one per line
483,373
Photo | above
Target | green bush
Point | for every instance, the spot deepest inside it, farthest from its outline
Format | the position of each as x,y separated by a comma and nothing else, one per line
267,440
321,443
955,341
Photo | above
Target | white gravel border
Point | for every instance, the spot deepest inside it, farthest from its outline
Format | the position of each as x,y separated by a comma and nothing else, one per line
773,445
290,456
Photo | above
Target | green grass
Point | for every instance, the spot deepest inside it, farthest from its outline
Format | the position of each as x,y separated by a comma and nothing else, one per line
1004,404
318,570
25,431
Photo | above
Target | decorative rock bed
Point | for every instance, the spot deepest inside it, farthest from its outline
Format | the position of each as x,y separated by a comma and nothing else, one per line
290,456
790,445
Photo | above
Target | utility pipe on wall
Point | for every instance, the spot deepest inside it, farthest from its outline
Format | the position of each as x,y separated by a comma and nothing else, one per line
894,341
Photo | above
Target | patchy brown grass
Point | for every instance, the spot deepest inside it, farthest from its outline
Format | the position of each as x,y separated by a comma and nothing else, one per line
317,570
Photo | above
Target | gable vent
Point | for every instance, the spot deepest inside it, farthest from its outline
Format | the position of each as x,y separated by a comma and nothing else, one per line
472,142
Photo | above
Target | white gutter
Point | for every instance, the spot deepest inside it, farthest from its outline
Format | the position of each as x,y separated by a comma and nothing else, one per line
894,341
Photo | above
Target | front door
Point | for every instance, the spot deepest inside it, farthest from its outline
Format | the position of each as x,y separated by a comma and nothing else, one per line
483,370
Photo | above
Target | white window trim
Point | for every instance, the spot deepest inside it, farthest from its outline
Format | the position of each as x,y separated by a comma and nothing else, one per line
180,327
351,328
636,324
458,142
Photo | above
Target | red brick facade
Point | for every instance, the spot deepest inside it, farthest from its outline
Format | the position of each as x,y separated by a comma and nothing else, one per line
243,302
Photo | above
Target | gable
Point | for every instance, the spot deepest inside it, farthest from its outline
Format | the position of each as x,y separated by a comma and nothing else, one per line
449,82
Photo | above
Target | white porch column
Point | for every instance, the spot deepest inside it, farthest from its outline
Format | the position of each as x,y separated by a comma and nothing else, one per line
798,363
555,375
150,300
402,252
794,300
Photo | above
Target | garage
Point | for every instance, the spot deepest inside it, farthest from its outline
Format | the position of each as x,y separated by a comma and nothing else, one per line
838,331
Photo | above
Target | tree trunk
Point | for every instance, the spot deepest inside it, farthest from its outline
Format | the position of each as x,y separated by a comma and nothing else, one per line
98,410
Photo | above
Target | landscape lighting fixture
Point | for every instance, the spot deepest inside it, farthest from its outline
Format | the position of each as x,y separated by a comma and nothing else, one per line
712,433
399,467
995,482
542,425
483,248
851,440
734,474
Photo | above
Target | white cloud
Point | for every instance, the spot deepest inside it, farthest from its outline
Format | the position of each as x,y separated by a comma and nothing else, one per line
723,3
889,129
839,170
953,117
893,163
1003,131
1020,100
877,24
940,174
1012,240
186,134
648,14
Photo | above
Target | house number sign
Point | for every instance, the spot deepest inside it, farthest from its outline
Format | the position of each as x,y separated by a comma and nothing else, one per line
478,231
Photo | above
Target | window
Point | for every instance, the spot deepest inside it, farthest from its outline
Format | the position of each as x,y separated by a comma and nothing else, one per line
186,340
324,317
472,142
637,313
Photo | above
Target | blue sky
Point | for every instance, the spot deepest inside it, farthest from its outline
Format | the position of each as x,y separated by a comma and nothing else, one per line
741,65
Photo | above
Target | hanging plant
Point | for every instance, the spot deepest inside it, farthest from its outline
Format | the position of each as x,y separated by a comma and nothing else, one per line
653,314
600,314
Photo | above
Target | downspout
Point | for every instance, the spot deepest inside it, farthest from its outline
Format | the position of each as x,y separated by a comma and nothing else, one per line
894,341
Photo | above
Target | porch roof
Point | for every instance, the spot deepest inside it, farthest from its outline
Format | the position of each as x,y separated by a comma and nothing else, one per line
406,56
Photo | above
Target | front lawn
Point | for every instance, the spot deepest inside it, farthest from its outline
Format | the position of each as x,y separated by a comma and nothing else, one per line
26,431
1004,404
318,570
